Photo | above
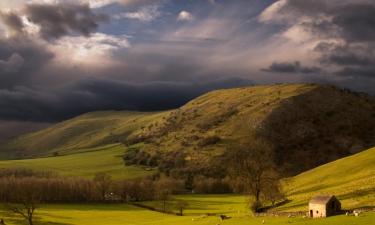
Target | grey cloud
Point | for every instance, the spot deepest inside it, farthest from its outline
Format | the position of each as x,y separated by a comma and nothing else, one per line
345,54
291,67
356,22
12,65
59,20
12,21
137,3
350,22
20,57
368,72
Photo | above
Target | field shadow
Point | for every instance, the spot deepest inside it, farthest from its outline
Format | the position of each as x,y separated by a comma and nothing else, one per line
96,207
21,221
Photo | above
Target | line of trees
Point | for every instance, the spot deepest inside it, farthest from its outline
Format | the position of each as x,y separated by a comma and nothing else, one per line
102,188
251,171
22,190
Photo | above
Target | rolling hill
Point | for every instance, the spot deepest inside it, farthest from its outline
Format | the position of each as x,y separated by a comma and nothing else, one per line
351,179
307,125
107,159
89,130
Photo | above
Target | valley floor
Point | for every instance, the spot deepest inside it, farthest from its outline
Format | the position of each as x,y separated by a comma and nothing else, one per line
199,205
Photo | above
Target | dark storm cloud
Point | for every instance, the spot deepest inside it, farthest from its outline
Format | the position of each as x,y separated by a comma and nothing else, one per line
368,72
346,54
57,20
92,95
291,67
20,57
137,3
12,21
352,23
351,20
356,22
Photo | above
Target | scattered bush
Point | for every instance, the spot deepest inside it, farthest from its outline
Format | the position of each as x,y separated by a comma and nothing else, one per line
207,141
203,185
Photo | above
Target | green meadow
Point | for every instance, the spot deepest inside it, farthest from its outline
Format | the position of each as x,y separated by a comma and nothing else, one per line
200,205
106,159
351,179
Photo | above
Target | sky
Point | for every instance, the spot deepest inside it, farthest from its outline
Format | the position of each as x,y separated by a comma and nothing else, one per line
62,58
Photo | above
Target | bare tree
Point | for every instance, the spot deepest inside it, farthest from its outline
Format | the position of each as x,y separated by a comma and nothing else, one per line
26,210
273,192
24,200
164,188
181,206
252,164
103,183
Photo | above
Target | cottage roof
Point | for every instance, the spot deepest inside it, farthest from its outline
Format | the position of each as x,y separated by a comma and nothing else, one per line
321,199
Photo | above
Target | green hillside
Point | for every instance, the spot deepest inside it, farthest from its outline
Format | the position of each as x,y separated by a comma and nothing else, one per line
106,159
307,125
351,179
86,131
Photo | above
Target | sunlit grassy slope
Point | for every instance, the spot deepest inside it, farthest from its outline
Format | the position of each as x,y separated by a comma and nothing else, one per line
352,179
86,131
105,159
122,214
307,124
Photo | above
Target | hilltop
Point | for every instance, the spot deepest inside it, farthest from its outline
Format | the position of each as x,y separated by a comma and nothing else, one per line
306,124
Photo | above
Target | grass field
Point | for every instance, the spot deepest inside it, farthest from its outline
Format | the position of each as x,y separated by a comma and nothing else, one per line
352,179
85,164
122,214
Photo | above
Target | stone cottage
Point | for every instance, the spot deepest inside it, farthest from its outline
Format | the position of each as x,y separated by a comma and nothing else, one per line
324,206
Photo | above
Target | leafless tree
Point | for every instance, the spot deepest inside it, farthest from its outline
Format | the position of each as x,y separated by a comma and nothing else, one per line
181,206
164,188
252,164
273,192
103,182
26,210
24,201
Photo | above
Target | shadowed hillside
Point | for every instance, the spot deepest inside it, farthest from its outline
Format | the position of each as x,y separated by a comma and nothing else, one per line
306,125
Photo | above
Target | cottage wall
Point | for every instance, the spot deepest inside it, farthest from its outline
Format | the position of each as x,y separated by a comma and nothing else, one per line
330,208
333,207
317,210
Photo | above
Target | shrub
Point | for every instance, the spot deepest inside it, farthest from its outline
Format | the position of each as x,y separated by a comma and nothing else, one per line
211,140
203,185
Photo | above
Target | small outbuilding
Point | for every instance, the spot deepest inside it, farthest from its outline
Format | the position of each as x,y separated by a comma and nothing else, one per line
324,206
